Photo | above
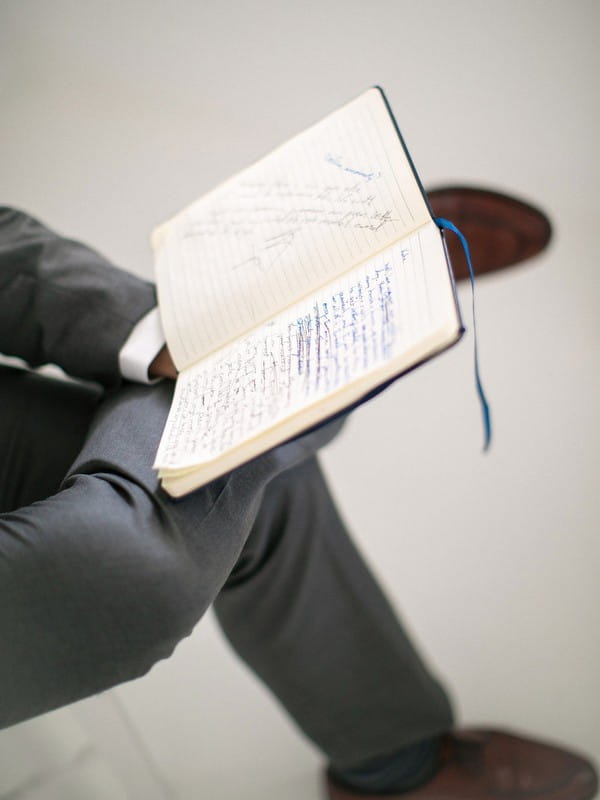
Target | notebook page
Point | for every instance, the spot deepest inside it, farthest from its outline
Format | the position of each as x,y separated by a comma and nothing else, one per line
321,203
363,320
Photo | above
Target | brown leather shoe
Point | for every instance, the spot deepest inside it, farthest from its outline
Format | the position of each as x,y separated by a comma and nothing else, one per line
501,230
496,765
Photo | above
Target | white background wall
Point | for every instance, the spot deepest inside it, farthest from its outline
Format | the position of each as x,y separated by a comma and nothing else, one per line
115,114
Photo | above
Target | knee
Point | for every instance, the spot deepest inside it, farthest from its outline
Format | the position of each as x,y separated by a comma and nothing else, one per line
146,585
109,576
153,598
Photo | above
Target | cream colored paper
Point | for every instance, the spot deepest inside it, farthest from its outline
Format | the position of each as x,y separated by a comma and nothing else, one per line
320,204
360,322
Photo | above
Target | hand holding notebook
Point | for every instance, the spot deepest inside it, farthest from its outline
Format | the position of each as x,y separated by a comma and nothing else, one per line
296,289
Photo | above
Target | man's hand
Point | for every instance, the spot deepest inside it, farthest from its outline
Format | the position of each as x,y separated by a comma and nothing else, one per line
163,366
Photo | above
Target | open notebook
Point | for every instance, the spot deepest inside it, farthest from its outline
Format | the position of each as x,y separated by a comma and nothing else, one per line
295,289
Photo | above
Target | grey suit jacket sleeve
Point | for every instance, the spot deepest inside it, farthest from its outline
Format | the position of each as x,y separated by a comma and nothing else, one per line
63,303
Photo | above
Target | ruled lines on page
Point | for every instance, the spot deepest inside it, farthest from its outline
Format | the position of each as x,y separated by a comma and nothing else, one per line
318,205
361,321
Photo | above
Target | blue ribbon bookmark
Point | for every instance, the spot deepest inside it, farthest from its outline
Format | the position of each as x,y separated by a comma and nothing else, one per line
485,408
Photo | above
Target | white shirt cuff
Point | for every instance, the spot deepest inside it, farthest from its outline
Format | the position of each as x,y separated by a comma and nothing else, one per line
141,348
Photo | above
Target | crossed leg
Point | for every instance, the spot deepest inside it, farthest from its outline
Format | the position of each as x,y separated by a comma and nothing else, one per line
101,574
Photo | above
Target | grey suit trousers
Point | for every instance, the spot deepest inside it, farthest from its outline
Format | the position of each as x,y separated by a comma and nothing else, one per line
101,574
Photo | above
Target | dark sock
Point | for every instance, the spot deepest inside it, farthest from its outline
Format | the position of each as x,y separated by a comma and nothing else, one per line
397,772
